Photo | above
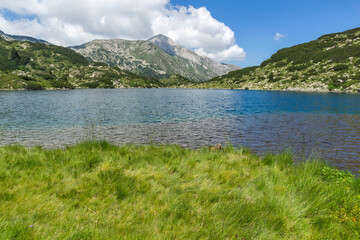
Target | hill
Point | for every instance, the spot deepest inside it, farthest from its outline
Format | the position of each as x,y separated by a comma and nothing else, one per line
34,65
159,57
330,63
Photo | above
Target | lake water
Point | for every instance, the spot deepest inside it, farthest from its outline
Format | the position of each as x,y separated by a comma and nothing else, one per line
318,124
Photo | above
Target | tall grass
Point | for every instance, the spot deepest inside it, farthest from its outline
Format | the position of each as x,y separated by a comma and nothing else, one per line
96,190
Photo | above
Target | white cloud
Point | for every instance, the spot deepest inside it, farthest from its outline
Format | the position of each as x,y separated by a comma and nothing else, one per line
279,36
196,28
233,53
69,22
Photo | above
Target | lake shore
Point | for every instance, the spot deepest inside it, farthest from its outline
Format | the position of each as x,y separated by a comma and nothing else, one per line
98,190
292,89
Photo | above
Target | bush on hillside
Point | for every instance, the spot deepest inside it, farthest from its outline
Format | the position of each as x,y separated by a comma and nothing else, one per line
281,64
341,67
297,67
34,86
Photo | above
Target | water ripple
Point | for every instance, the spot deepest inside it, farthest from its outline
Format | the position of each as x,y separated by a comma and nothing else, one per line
325,125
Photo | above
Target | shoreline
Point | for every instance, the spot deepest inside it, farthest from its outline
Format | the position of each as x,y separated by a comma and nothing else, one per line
305,90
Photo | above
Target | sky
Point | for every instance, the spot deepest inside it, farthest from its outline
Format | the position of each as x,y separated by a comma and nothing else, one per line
242,32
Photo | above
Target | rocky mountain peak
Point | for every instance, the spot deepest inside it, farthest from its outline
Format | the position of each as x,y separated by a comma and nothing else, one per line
166,44
160,37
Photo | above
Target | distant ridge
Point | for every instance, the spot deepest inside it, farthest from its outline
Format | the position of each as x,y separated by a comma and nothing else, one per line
21,38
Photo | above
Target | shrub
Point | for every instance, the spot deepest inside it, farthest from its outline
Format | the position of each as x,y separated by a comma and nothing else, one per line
46,75
62,84
331,87
264,63
286,81
349,83
294,77
14,56
271,77
27,78
34,86
357,63
242,72
340,67
297,67
311,72
281,64
356,76
91,84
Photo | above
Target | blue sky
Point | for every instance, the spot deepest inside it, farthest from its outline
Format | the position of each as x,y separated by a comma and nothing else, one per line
226,30
255,22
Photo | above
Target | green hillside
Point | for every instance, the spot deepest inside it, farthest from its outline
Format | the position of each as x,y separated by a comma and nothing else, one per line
26,65
330,63
176,81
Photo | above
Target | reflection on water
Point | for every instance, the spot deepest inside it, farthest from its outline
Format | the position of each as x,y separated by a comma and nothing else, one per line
333,137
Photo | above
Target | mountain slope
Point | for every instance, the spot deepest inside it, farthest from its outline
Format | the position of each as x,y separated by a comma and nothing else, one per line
330,63
158,57
27,65
174,49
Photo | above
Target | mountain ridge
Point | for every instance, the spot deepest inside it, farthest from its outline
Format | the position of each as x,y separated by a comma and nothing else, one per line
36,66
22,38
329,63
158,57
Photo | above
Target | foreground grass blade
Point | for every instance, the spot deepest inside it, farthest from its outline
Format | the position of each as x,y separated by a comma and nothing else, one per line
95,190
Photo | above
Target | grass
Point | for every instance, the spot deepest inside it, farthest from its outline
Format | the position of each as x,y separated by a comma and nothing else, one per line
95,190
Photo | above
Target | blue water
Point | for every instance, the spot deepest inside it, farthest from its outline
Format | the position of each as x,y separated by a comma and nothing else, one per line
30,109
327,124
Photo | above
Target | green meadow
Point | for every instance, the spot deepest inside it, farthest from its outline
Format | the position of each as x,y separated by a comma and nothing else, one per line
95,190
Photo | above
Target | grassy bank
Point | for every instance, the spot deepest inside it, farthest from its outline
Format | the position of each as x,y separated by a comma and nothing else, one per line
101,191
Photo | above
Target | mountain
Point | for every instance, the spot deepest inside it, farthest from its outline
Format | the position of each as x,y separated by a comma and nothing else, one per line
158,57
29,65
174,49
330,63
21,38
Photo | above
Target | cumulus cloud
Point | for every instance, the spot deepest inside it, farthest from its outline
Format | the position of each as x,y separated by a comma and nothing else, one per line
196,28
234,53
279,36
128,19
68,22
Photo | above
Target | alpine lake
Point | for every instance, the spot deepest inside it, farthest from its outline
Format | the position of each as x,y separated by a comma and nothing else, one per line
322,125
